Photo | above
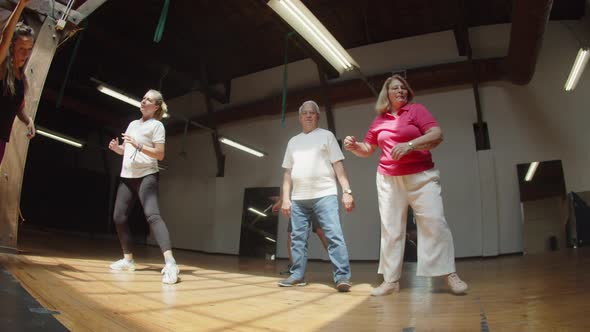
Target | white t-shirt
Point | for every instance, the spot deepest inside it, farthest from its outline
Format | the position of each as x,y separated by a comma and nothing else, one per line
138,164
310,157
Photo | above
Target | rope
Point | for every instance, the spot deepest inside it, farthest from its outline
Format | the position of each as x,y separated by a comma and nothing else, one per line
70,64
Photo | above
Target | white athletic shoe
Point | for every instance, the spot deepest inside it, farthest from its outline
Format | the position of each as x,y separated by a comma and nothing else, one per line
456,285
123,265
170,274
385,288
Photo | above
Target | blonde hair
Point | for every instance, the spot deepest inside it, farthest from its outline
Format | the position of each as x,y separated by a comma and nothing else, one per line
159,100
8,70
383,104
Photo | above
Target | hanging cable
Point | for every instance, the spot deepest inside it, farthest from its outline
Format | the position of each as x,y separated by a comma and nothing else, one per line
161,22
285,74
66,12
70,65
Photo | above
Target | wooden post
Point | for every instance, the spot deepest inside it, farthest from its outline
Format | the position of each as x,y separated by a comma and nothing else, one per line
13,165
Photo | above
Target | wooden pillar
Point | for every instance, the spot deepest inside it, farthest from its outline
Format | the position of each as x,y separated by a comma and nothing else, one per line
13,165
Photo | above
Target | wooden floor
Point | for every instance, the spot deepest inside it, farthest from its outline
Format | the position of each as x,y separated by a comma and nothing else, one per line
548,292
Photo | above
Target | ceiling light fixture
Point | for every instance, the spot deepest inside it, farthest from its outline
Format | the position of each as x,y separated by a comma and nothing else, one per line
577,69
122,96
240,146
251,209
58,137
309,27
531,172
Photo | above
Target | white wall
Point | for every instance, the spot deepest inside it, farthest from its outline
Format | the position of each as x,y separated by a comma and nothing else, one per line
535,122
538,121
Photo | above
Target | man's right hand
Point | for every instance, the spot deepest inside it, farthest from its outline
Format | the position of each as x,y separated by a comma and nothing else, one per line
286,207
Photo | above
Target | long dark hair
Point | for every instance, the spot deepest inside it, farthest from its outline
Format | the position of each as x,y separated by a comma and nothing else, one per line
8,72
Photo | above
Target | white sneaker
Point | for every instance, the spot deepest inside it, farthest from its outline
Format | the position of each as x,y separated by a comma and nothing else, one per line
457,285
123,265
170,274
386,288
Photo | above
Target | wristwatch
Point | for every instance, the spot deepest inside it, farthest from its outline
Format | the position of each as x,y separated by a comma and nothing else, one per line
411,145
347,191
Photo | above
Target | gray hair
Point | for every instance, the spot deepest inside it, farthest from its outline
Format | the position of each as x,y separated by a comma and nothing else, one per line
313,104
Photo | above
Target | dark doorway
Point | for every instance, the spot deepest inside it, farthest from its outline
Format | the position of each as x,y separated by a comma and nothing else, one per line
259,225
578,229
544,205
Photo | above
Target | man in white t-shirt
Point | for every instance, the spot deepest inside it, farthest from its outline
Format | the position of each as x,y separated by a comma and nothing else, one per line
312,163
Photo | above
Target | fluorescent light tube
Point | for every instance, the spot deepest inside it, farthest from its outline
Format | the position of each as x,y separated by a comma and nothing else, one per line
257,212
118,95
239,146
110,91
577,69
531,172
309,27
58,137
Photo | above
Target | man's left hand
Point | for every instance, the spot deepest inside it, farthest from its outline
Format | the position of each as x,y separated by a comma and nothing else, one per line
348,202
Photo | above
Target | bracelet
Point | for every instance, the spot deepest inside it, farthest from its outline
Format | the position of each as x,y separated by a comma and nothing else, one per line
139,147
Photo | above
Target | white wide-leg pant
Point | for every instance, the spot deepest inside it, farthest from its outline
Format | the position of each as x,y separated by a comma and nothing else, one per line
422,191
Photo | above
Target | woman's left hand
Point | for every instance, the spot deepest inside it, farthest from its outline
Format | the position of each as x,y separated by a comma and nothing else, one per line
400,150
130,140
31,129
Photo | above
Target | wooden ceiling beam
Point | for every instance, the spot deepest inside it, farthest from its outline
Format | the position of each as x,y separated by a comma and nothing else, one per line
461,30
431,77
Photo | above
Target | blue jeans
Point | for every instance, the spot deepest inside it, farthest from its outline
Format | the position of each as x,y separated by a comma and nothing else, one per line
326,211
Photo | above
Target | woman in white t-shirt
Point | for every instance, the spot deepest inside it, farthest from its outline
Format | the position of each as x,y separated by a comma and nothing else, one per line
142,147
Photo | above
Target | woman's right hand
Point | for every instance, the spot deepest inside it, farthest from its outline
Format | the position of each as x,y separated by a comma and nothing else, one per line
350,143
114,145
31,129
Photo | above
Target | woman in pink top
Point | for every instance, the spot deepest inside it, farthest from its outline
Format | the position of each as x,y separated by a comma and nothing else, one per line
406,133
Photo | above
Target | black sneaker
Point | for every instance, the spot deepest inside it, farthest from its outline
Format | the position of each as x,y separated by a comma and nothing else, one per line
343,285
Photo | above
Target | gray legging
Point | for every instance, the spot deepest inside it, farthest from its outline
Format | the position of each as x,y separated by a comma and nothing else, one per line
146,188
